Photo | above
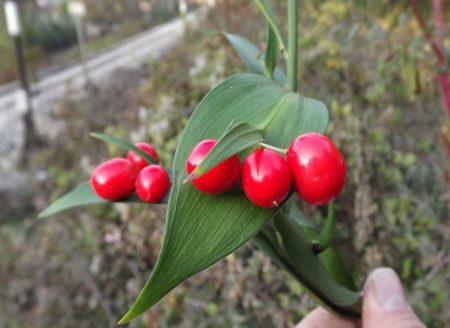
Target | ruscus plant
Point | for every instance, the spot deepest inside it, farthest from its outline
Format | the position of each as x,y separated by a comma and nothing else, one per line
258,116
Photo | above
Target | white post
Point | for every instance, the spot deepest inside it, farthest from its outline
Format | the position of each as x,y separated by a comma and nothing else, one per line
12,18
211,3
182,7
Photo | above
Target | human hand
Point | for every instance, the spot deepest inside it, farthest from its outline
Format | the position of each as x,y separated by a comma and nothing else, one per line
384,306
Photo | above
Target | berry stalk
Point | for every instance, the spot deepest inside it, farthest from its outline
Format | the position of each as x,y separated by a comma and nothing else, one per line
276,149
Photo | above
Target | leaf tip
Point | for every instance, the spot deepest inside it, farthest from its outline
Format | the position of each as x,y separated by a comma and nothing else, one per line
45,213
42,215
130,315
124,320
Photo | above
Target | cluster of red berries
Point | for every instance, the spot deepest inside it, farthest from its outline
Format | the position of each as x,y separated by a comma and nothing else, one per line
312,161
119,178
314,164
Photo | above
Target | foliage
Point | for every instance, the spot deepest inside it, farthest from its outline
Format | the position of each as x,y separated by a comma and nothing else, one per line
378,84
264,111
52,33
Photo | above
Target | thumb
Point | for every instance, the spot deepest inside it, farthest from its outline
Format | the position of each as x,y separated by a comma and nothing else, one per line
385,304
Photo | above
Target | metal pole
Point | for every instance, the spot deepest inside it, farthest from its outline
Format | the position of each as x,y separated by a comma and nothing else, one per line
77,10
21,66
82,46
14,30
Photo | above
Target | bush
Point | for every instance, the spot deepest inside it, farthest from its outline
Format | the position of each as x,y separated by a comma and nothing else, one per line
52,33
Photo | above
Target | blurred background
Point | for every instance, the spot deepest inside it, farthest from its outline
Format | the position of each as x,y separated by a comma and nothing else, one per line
136,69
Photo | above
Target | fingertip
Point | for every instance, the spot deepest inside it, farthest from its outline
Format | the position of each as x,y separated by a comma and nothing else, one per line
379,275
384,286
320,318
384,302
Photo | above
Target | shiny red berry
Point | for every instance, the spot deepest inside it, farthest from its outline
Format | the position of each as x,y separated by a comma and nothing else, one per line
266,179
317,167
220,178
138,160
114,179
152,184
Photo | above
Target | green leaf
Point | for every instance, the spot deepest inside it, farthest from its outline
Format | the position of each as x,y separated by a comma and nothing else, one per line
330,258
84,195
201,229
265,244
327,233
237,137
296,214
123,144
252,56
334,263
271,57
266,9
313,274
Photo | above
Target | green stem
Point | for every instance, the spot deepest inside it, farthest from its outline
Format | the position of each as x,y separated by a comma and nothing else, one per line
278,150
292,44
327,235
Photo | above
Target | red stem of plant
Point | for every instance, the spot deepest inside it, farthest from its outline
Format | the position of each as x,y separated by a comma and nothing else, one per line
443,76
428,35
437,43
438,24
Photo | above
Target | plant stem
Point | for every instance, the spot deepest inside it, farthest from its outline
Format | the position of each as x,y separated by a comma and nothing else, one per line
439,40
426,30
327,234
436,45
438,48
292,44
278,150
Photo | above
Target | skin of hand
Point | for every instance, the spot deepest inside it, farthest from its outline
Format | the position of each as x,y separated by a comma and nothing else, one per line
384,306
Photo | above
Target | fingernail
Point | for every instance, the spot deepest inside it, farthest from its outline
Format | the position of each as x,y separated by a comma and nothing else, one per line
388,290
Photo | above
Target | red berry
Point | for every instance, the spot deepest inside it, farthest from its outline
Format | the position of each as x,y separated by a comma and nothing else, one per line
220,178
266,179
138,160
318,168
114,179
152,184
